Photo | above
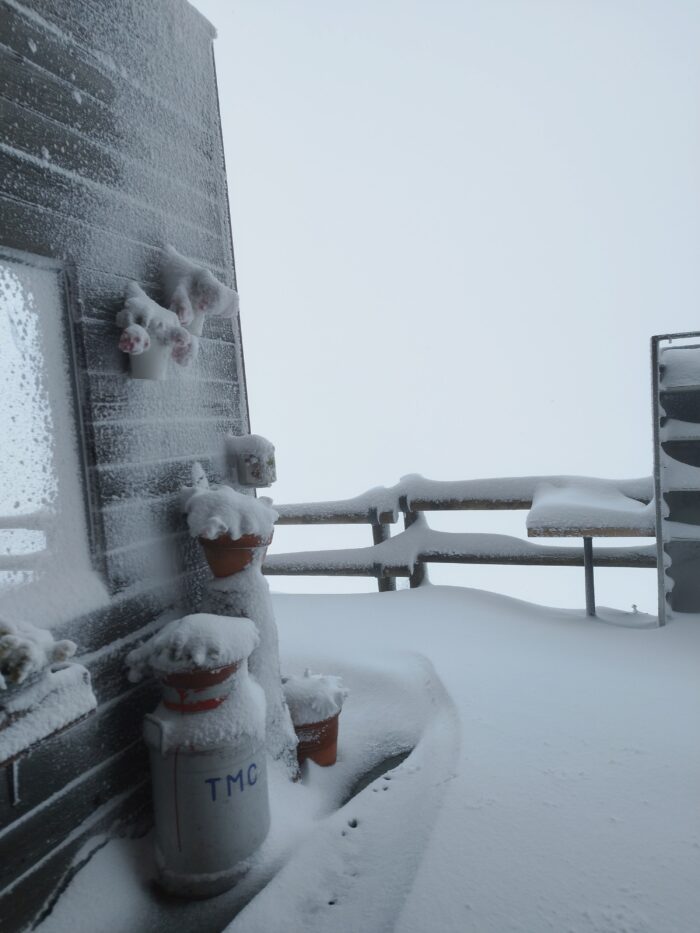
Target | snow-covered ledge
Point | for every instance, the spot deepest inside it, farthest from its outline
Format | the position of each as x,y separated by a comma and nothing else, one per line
41,692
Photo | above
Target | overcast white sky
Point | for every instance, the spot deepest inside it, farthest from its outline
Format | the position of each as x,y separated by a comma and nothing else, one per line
456,226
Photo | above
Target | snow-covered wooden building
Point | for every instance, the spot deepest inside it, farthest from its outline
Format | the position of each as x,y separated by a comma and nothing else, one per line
111,149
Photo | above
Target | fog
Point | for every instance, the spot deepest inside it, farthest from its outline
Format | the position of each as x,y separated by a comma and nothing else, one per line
456,227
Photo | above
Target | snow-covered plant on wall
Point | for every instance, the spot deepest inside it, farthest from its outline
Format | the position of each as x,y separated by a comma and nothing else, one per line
26,650
151,335
41,691
193,293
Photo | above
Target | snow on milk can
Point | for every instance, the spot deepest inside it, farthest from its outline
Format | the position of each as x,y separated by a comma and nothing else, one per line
207,749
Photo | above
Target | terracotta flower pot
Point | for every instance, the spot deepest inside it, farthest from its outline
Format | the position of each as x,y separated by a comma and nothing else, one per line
226,555
318,741
197,690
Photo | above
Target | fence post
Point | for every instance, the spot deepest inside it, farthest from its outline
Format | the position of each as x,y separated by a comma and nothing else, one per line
382,532
419,575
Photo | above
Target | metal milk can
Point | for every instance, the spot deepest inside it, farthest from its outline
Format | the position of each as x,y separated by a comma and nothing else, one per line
209,774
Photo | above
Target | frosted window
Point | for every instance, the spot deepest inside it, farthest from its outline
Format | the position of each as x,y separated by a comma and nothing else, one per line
45,567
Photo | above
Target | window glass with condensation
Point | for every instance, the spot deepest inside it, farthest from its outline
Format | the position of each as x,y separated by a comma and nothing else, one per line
46,572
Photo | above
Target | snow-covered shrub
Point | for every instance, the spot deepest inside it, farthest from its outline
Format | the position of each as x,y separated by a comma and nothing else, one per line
149,328
214,510
314,697
26,650
193,292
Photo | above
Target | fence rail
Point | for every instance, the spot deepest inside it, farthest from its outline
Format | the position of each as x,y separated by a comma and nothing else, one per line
406,554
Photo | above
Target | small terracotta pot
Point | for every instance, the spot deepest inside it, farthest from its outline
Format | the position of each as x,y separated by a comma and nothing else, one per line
226,555
197,690
318,741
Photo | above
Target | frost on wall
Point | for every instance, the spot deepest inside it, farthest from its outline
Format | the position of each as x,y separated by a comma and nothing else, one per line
42,503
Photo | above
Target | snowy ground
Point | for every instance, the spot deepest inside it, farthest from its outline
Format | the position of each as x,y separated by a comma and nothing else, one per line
553,783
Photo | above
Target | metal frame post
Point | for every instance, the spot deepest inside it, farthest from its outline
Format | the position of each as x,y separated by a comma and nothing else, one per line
588,571
382,532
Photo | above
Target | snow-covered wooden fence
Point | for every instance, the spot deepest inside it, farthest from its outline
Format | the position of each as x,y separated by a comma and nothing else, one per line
585,507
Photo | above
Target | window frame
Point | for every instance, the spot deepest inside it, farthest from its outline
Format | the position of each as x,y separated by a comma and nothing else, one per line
66,273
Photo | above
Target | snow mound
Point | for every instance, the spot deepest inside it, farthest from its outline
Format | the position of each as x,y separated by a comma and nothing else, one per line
201,640
26,650
314,697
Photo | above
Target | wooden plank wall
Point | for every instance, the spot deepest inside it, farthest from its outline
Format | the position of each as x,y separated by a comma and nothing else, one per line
110,148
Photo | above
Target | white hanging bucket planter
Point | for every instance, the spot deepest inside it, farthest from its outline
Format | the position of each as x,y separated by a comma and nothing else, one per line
250,459
196,325
152,363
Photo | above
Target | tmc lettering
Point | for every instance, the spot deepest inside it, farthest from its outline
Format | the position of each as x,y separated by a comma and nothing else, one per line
232,781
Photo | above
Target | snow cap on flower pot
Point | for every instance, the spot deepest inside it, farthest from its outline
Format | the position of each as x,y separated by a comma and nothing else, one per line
195,651
250,460
151,335
231,527
193,292
315,702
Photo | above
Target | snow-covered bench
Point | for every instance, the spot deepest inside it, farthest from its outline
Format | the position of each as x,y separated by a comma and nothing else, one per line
589,509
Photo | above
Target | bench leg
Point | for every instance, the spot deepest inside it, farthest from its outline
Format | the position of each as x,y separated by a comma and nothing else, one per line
588,571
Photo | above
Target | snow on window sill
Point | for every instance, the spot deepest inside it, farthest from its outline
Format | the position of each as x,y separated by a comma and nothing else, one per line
56,698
